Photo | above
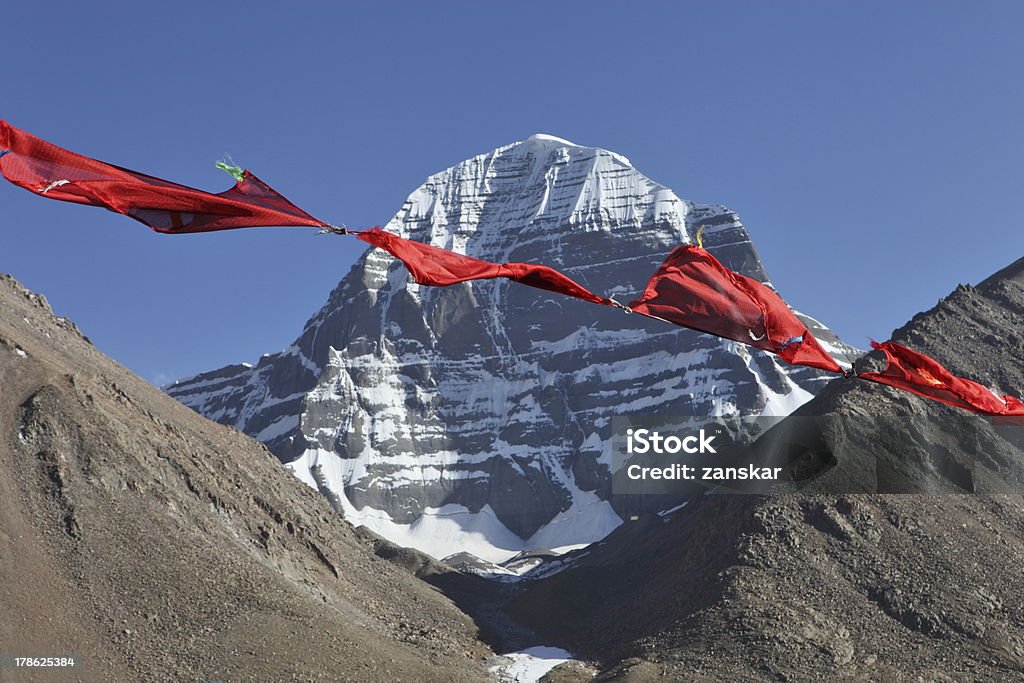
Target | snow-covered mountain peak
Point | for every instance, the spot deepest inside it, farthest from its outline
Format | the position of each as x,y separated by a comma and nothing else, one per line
475,417
544,182
553,142
545,138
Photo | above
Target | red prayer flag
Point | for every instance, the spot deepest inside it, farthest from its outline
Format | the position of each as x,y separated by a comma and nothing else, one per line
693,289
56,173
431,265
925,376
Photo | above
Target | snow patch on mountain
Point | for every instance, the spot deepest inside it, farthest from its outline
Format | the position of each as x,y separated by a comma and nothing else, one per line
529,665
436,531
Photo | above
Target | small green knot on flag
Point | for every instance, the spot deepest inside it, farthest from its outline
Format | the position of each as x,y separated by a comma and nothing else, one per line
229,166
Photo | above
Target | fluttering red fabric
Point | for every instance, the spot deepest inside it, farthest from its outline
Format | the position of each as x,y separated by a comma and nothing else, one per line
50,171
920,374
693,289
431,265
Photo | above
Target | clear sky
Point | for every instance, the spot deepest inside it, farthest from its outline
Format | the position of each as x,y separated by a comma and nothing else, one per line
873,149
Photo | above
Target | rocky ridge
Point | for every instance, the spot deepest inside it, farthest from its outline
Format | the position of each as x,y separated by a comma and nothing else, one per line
866,587
153,544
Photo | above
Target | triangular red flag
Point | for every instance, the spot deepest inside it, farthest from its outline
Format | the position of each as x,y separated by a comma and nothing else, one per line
430,265
55,173
693,289
920,374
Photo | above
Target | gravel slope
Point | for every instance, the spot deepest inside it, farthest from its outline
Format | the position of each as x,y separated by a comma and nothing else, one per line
830,586
154,544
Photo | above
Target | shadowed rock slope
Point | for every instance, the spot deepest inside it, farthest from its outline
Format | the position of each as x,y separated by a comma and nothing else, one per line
828,586
154,544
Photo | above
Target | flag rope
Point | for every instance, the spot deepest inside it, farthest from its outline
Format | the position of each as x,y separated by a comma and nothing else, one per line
691,286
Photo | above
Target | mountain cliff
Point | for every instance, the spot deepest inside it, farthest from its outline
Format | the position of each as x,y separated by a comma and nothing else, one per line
475,417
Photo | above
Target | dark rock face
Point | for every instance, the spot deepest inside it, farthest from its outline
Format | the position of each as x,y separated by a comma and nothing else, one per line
863,587
494,397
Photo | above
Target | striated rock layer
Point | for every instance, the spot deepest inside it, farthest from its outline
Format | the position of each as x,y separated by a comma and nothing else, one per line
475,417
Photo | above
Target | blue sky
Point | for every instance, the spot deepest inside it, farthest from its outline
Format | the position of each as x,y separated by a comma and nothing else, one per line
873,149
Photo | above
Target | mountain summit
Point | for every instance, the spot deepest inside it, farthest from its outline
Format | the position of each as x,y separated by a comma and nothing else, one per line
475,417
